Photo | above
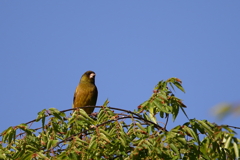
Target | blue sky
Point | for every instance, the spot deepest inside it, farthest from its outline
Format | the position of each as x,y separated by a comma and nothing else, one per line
45,47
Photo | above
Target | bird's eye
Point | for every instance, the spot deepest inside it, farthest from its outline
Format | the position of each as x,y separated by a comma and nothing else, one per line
92,75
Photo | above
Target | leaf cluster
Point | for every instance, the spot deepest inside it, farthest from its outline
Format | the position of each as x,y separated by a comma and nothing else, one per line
115,133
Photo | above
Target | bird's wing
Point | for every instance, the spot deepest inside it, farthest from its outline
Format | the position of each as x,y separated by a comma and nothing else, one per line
74,97
80,96
84,96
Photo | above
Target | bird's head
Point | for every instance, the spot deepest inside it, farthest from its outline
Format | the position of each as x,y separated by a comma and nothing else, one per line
88,76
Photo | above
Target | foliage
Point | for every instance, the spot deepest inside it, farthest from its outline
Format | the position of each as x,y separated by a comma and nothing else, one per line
124,135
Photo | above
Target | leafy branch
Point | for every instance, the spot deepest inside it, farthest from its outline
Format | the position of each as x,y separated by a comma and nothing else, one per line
128,134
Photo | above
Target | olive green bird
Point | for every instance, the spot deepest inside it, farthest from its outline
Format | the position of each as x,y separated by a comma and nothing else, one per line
86,92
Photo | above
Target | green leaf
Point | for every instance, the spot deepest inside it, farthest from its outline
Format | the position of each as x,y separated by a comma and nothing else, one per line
184,112
149,129
156,103
123,142
51,143
53,110
93,143
10,136
161,95
227,143
153,118
179,86
41,155
228,129
73,156
146,117
86,117
236,149
105,103
205,126
175,111
27,156
144,103
43,121
2,156
140,126
192,133
101,115
20,153
176,82
174,148
41,114
171,84
103,136
56,113
161,114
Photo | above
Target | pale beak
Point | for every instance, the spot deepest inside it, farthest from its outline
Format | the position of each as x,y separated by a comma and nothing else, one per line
92,75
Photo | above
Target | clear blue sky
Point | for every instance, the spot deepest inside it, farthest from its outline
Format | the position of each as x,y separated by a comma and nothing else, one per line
45,47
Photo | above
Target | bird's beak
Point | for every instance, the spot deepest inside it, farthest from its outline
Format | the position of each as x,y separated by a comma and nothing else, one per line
92,75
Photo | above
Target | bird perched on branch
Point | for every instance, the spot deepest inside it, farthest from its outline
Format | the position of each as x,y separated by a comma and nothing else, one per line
86,92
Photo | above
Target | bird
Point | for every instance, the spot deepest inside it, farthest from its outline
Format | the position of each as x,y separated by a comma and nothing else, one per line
86,92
